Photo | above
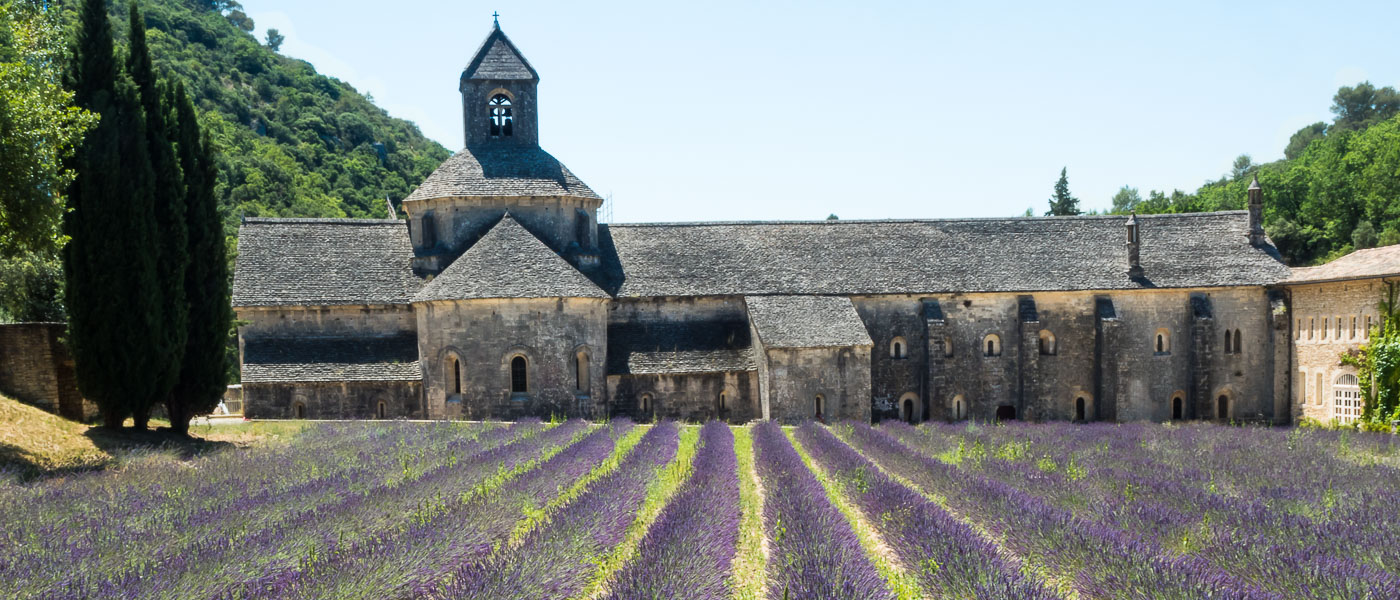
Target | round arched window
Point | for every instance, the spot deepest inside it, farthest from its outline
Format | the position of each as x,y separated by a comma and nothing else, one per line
502,118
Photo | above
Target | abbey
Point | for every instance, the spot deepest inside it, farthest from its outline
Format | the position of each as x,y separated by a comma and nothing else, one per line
501,296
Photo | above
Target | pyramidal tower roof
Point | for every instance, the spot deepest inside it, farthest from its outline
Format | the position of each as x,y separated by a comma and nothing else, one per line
498,58
509,262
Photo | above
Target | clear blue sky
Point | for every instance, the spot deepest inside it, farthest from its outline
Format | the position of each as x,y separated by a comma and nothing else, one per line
792,110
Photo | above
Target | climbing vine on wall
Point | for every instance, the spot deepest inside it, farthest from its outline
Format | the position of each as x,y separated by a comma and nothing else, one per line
1377,364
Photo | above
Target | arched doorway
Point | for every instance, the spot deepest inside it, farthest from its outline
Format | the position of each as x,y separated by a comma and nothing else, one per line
1222,408
907,411
1006,412
1079,409
299,410
819,405
1177,412
380,411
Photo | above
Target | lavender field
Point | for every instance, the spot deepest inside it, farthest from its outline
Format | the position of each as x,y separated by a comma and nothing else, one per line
627,511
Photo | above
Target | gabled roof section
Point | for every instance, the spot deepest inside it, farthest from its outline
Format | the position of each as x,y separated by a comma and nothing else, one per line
498,58
806,321
323,262
501,170
673,347
288,360
932,256
1361,264
509,262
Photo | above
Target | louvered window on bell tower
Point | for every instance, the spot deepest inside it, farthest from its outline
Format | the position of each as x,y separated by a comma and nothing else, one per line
502,120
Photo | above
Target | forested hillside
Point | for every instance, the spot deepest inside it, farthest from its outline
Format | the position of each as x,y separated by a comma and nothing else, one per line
291,142
1336,189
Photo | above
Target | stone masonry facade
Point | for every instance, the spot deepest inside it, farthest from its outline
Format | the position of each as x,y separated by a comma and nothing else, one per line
501,296
36,368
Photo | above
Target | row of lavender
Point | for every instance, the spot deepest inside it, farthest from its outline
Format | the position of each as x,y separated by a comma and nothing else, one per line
1246,512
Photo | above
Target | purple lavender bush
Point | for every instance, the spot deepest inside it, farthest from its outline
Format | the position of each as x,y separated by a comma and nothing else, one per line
946,556
813,551
557,558
688,550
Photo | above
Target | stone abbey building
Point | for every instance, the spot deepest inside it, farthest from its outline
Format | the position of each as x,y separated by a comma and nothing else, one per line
502,296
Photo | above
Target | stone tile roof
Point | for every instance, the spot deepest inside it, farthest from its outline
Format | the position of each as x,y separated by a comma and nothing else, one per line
671,347
322,262
1361,264
501,170
509,262
806,321
932,256
292,360
498,58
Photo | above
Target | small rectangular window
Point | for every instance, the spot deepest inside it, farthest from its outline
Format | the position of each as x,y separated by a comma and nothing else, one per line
1312,326
1303,389
1317,395
1366,333
1298,333
1353,327
1339,328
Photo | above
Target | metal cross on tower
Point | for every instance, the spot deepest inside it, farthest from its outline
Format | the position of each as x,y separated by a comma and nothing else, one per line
495,18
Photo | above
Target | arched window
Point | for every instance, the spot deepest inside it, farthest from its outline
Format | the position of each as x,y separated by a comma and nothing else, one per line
1346,399
1047,342
819,403
947,347
1238,344
645,405
899,348
581,371
908,408
723,404
1079,409
1178,408
991,345
1222,408
519,370
502,119
299,410
1228,346
1162,343
959,408
454,370
380,411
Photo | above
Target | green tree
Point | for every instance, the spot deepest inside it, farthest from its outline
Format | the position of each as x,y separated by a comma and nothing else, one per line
1362,105
39,128
275,39
204,369
171,245
1300,140
1364,236
1243,167
110,273
1062,203
1377,364
1126,200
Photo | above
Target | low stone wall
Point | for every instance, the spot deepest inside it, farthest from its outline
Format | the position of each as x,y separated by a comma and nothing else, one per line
35,368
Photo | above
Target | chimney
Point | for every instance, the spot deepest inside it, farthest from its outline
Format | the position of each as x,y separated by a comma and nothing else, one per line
1256,212
1134,265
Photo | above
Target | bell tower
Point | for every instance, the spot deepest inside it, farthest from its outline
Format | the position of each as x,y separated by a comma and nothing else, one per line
498,95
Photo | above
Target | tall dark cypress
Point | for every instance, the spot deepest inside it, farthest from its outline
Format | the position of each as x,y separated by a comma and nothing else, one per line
171,242
203,373
111,286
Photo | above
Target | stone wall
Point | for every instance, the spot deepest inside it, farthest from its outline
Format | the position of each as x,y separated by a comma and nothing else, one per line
1099,348
485,336
565,224
1317,343
688,396
796,377
344,400
325,321
35,368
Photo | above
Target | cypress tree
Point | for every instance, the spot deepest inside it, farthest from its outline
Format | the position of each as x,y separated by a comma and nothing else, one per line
111,286
170,246
203,373
1062,204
